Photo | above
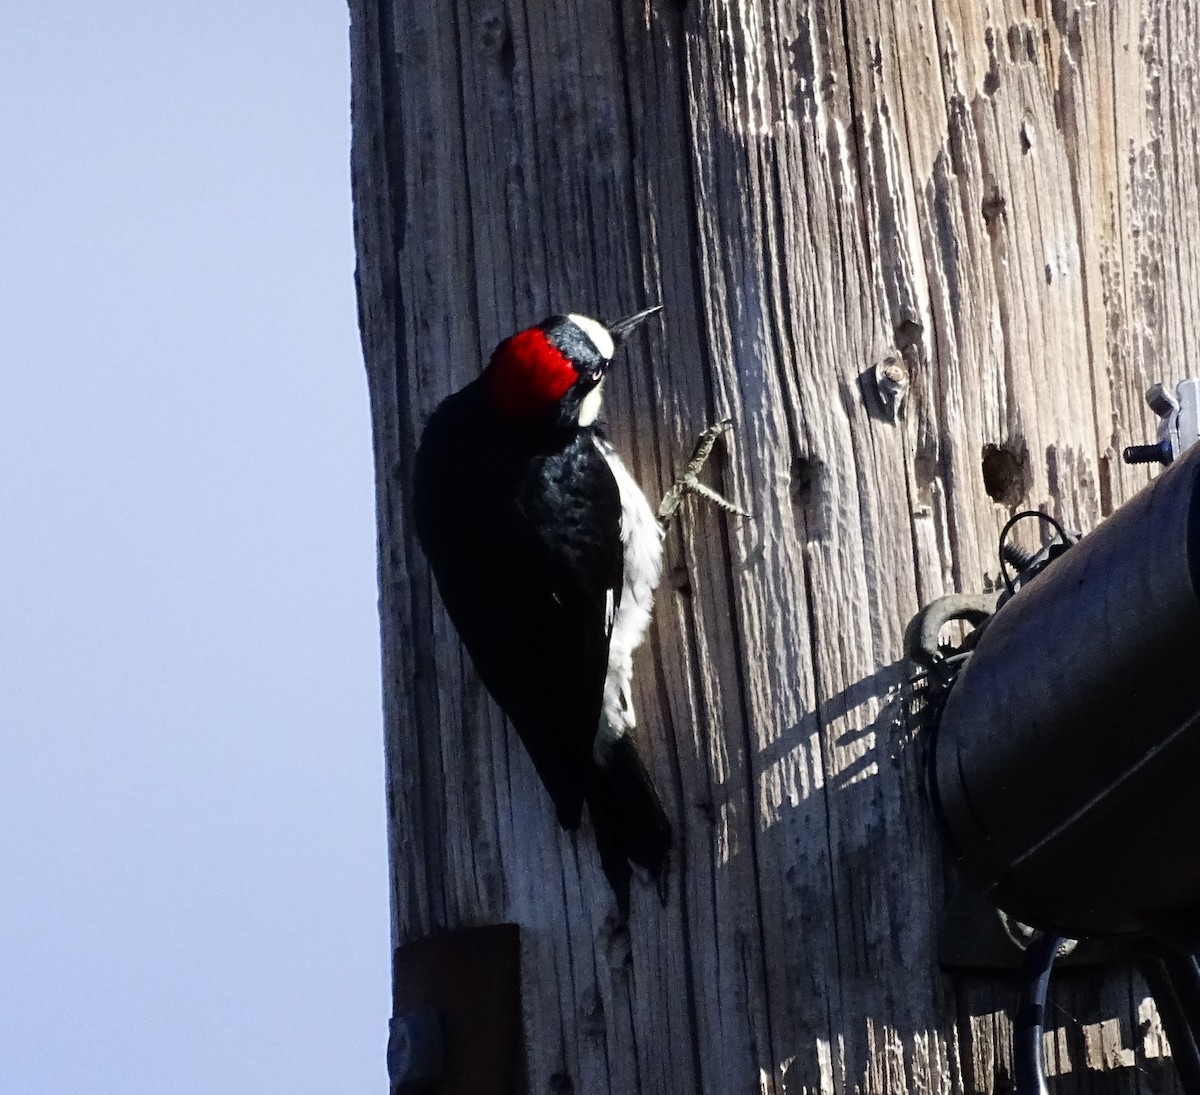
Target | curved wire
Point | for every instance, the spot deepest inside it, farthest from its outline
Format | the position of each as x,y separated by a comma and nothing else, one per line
1008,525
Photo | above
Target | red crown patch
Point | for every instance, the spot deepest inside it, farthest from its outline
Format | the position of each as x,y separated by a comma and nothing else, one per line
528,374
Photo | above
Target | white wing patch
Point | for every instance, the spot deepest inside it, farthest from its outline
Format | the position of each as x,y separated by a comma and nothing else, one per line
642,548
597,332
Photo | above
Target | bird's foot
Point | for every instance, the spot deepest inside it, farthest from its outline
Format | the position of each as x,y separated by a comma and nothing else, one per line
689,481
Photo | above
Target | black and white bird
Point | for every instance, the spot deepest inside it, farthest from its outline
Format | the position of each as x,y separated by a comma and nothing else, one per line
547,554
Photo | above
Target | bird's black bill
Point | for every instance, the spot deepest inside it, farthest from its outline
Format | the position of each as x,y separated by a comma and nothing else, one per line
623,328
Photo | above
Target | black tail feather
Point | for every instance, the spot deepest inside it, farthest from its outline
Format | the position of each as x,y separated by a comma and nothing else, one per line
630,823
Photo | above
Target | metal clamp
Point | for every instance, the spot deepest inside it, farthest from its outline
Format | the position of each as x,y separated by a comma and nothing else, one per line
1178,424
921,637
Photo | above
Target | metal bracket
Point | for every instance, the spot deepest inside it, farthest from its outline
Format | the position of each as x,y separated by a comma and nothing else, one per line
1178,424
416,1049
921,636
933,666
456,1013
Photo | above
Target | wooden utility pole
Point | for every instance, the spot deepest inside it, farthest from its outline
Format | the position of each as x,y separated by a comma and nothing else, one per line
927,256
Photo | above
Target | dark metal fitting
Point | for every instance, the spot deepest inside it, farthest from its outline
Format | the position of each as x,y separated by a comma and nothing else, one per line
416,1051
921,637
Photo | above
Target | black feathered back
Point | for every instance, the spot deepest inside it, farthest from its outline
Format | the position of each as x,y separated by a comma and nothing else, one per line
524,538
522,528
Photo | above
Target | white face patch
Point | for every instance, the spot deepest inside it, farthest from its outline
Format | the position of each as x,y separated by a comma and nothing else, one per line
589,408
596,331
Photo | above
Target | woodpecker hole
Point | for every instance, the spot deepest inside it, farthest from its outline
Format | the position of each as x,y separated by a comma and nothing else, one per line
810,504
591,1015
496,37
994,206
680,580
561,1083
1022,44
991,82
907,333
925,471
1005,475
1027,135
806,473
619,953
507,55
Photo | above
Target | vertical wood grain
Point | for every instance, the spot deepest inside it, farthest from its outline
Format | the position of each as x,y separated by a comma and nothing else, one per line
997,198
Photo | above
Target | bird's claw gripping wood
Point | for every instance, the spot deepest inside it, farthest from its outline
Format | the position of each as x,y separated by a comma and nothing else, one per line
689,481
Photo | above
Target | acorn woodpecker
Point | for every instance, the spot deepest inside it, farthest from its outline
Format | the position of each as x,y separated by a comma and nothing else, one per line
547,554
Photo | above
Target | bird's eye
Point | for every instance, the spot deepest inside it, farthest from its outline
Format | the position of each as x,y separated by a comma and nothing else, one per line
596,374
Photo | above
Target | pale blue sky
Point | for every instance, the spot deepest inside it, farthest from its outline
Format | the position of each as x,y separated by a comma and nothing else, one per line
192,854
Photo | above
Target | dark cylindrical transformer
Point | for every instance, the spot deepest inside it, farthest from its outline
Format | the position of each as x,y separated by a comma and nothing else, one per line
1066,766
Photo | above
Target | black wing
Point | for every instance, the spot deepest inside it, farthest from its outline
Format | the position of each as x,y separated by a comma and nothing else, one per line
526,550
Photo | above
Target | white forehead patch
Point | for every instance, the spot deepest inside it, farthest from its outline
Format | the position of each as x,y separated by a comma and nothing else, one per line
595,331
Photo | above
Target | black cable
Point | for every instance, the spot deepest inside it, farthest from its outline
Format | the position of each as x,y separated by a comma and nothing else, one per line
1171,994
1053,521
1029,1067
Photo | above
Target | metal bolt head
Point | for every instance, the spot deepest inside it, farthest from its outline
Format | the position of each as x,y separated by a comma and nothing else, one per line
1160,401
891,382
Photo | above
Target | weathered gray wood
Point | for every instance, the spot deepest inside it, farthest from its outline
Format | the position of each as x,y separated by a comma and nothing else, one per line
997,200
